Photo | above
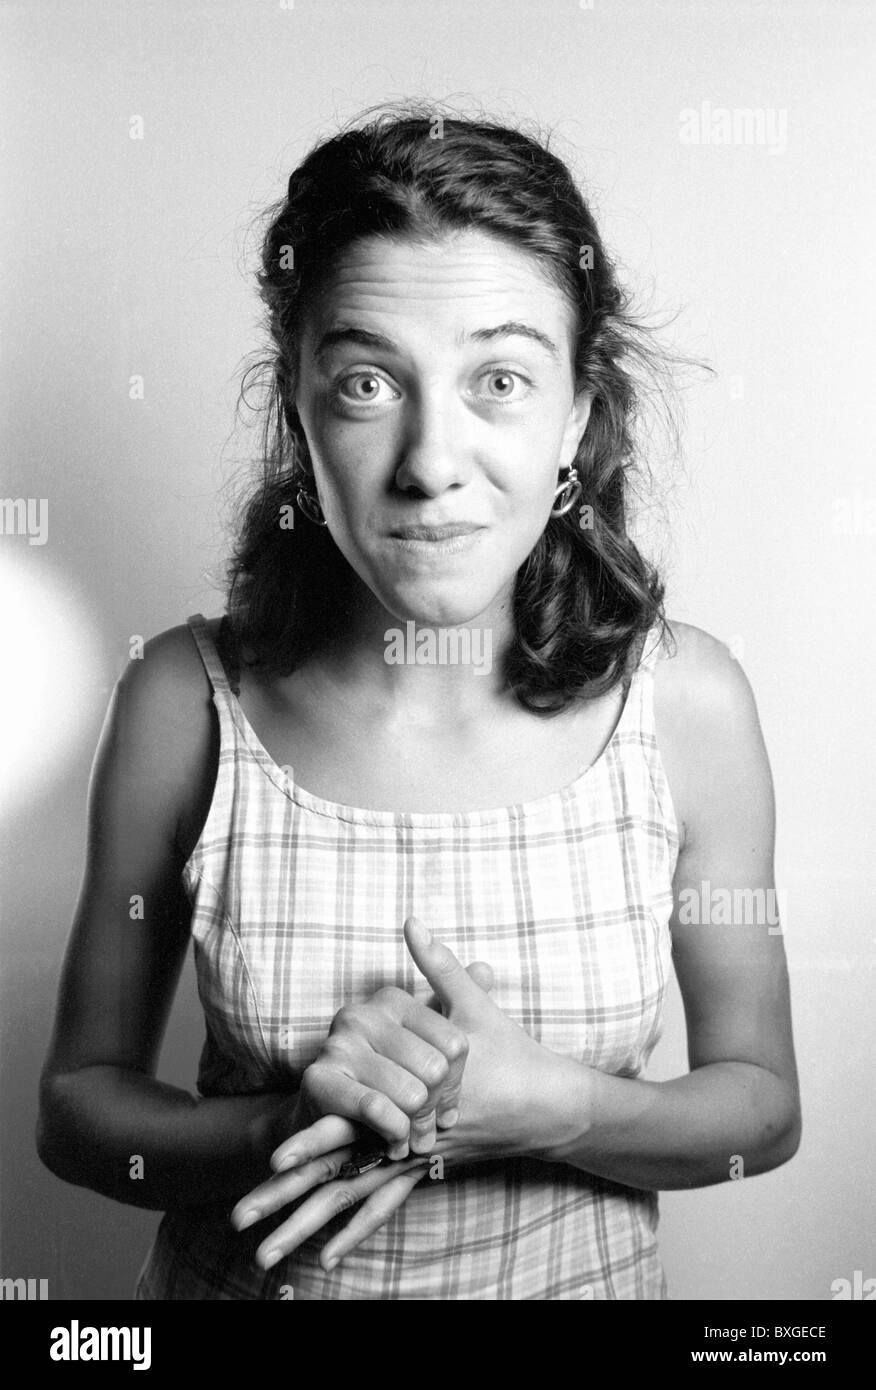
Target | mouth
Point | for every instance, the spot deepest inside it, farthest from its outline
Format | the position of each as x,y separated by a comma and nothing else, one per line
436,533
449,539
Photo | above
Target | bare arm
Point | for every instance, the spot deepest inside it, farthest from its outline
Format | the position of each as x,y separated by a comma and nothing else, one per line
100,1105
738,1111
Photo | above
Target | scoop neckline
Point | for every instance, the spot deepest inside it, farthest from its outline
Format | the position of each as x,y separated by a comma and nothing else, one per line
363,815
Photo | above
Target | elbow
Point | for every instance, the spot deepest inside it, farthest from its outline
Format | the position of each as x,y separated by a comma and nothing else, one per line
785,1140
53,1137
793,1136
47,1146
47,1150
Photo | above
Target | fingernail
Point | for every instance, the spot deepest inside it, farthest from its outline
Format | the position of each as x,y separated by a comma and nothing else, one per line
285,1163
246,1219
270,1258
329,1265
448,1119
422,931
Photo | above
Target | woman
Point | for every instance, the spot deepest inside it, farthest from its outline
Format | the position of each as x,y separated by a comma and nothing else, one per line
448,453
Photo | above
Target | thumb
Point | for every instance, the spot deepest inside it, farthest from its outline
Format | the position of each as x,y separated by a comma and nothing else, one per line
455,988
482,974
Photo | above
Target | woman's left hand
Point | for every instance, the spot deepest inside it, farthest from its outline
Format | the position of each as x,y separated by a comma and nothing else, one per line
518,1098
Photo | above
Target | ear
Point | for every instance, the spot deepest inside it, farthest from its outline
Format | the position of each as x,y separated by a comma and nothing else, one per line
575,427
288,380
289,409
295,427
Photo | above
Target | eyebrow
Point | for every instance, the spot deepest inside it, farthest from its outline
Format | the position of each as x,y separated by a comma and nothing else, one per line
366,337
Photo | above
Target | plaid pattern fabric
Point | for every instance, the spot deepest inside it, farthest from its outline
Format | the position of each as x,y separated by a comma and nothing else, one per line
298,908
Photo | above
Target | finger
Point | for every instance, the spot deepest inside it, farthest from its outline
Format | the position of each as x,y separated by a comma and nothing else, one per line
423,1043
430,1065
416,1039
424,1132
331,1091
482,974
455,988
318,1209
448,1112
374,1213
451,1042
397,1084
406,1092
329,1132
454,1044
279,1191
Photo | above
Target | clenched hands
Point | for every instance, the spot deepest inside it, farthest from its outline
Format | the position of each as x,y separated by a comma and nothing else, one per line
397,1067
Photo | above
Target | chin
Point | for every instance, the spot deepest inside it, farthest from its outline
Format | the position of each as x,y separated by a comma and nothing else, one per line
437,607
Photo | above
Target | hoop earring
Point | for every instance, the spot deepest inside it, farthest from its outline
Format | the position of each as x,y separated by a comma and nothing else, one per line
572,486
310,507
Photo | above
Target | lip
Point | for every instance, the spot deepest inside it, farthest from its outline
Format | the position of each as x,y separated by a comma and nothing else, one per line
449,531
434,541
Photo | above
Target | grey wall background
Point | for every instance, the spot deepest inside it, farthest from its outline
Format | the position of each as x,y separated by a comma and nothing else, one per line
128,256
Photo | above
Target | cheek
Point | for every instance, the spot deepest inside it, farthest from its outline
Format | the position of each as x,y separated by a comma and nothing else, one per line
331,440
530,473
346,478
355,497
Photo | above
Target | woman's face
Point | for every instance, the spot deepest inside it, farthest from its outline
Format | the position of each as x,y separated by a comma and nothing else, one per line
436,391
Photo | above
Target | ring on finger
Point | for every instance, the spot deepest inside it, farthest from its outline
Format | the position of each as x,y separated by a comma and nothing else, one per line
361,1163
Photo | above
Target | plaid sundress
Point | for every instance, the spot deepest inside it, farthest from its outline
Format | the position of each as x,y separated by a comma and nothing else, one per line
298,905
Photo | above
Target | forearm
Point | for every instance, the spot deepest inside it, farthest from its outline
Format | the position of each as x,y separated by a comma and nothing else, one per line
726,1119
152,1145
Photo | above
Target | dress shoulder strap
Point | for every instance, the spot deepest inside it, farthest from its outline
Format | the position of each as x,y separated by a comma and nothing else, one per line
654,643
221,665
638,713
657,641
651,646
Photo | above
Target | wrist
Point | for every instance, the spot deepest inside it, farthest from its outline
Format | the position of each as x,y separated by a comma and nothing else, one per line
567,1104
273,1122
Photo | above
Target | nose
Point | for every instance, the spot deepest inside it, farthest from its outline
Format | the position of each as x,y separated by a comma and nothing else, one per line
435,452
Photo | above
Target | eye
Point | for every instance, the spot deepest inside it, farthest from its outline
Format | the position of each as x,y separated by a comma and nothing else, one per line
507,383
364,390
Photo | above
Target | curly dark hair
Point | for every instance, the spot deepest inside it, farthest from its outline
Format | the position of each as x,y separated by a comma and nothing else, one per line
585,594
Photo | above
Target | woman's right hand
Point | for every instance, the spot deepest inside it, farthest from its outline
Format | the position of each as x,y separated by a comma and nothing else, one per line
392,1064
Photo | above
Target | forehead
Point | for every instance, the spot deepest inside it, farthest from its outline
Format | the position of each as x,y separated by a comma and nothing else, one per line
458,281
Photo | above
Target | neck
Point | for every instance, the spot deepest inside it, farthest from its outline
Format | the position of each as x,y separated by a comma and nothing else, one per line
421,669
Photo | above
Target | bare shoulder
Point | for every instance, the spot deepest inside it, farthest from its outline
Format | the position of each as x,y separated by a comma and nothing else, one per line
167,682
698,674
160,733
706,719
